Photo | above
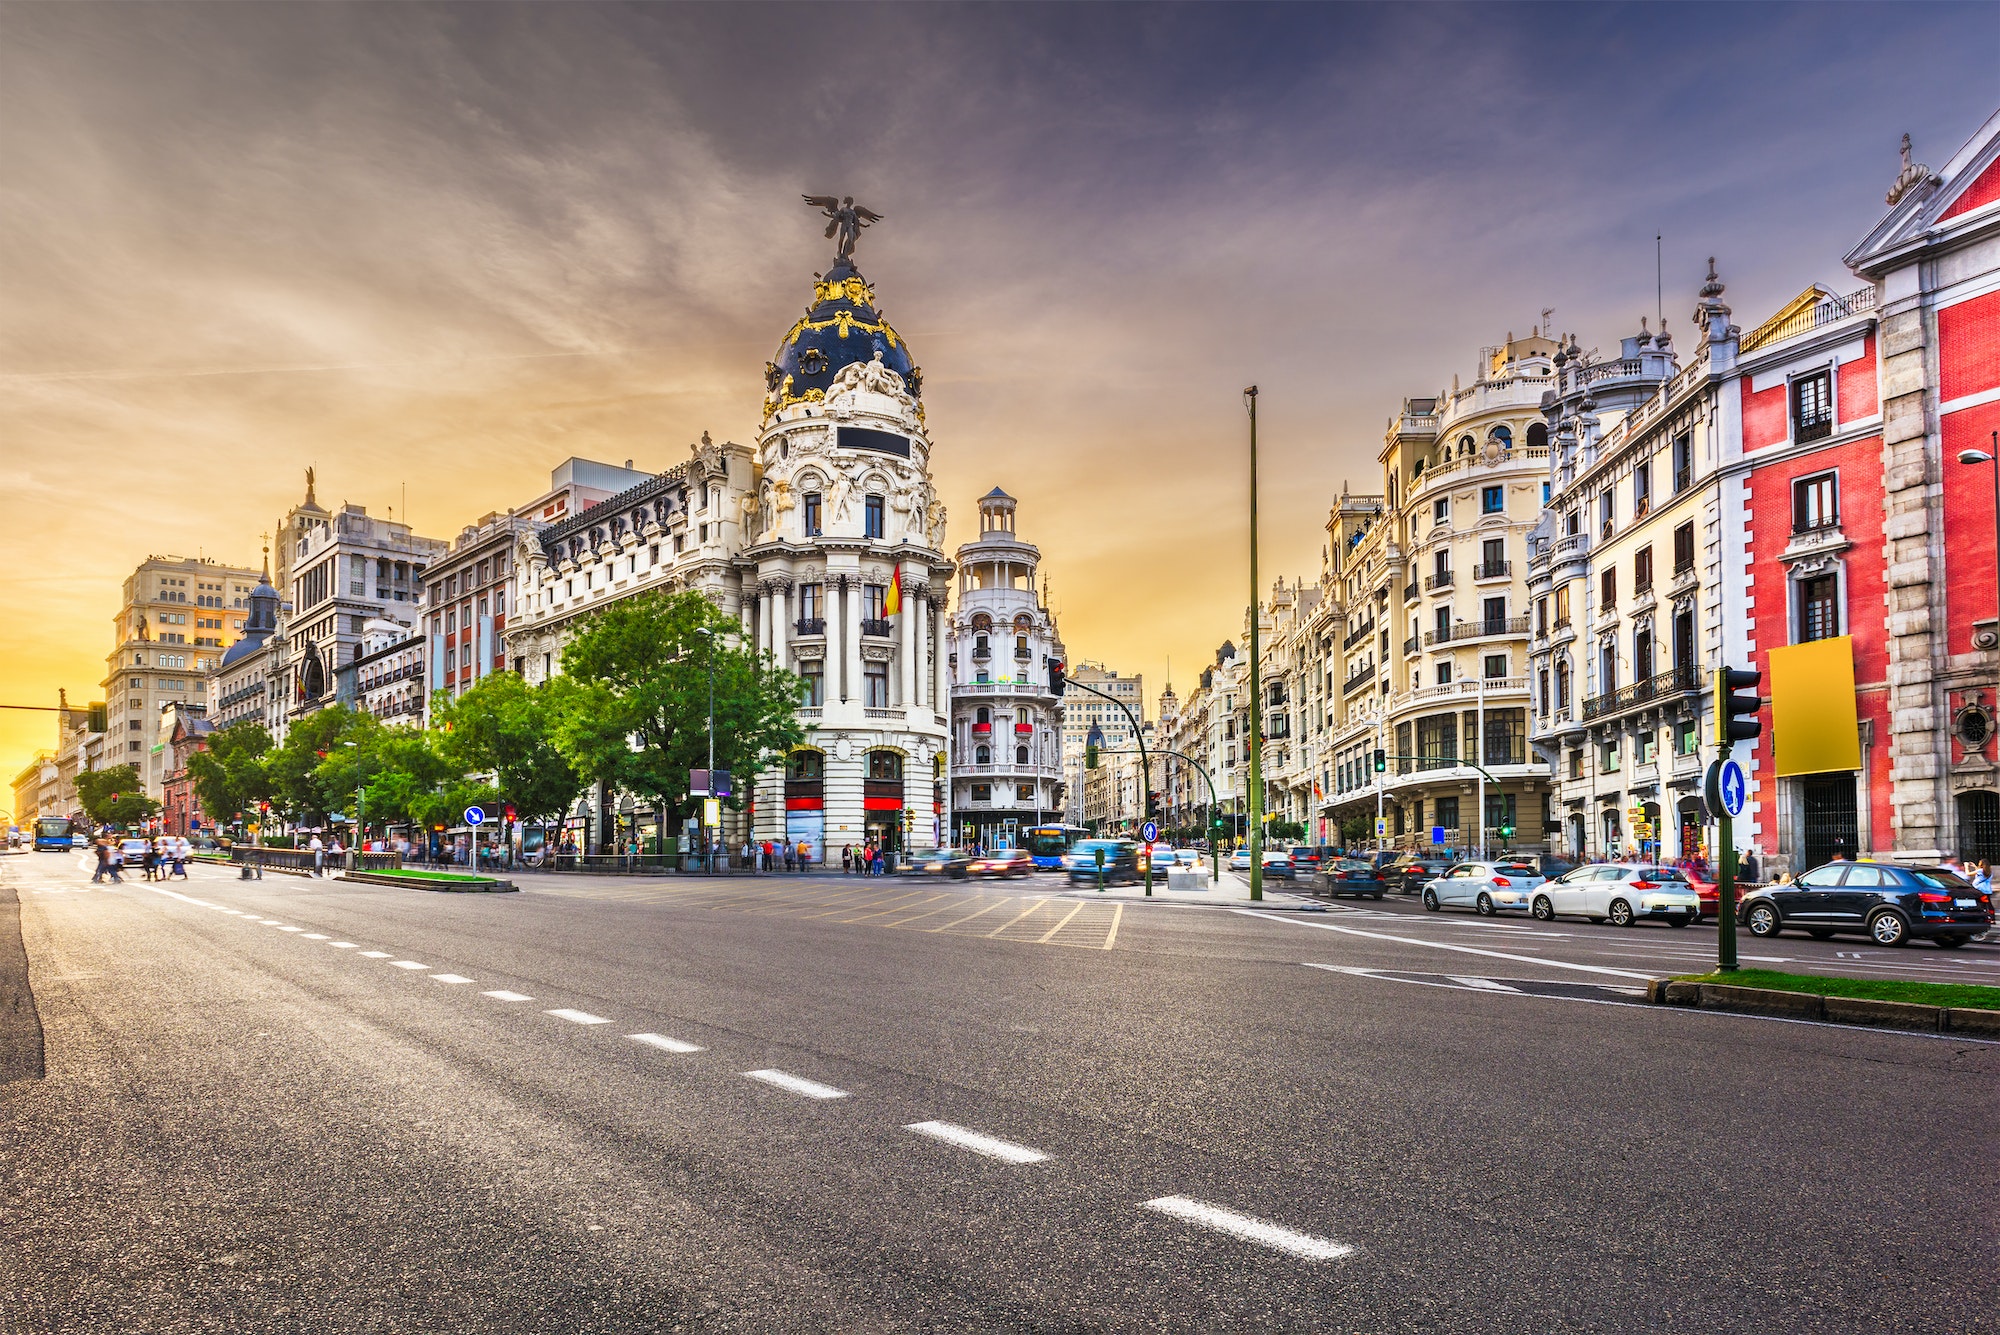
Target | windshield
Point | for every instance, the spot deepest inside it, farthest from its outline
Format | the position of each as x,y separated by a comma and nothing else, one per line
1049,841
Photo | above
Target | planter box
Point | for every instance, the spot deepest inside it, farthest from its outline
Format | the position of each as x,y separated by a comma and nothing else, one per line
1187,878
481,885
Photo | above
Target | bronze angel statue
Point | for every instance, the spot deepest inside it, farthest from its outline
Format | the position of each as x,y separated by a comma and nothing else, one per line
845,218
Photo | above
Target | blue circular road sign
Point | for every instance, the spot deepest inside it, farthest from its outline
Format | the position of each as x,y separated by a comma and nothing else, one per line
1733,788
474,816
1150,831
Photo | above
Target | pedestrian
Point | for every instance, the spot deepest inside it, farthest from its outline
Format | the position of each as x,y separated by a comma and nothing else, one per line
1840,854
114,858
749,856
1982,876
318,855
182,851
1749,867
847,859
103,861
805,856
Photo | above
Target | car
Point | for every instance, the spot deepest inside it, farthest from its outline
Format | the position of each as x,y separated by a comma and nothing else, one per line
952,863
1892,904
1484,887
1351,876
1548,866
1162,859
1239,860
1002,862
1278,862
1305,858
1409,874
1121,861
1621,893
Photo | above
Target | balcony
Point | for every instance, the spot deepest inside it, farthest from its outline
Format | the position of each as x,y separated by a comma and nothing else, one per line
1493,570
1357,681
1410,592
1024,655
1470,688
880,627
1477,630
1570,549
1668,685
1358,634
982,653
810,626
1411,645
1440,580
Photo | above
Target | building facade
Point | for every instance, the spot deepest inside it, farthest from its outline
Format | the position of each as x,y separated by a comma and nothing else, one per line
1006,724
241,688
387,682
187,728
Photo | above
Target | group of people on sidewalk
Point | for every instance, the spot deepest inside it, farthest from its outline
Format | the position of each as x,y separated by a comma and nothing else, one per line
868,860
777,854
165,856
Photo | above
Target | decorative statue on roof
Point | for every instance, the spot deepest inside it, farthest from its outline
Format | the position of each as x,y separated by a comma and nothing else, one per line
846,219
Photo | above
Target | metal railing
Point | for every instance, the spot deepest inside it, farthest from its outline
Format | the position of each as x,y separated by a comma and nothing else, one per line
1357,681
879,626
1440,580
1410,592
810,626
1665,685
1821,313
1358,634
1493,570
1410,645
1473,630
1813,528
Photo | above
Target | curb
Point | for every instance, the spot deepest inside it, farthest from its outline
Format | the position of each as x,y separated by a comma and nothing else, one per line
417,883
1832,1010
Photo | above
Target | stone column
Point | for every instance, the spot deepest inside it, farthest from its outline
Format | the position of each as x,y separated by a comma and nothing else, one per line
781,628
850,616
941,670
911,636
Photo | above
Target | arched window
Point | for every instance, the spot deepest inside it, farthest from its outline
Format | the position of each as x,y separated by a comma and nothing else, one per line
1465,444
982,715
885,765
1020,755
806,765
1538,436
1501,436
982,755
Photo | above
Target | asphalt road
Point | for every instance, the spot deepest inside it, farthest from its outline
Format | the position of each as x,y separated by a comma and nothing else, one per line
403,1115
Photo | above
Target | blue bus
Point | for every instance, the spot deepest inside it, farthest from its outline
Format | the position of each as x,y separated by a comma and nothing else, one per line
54,834
1050,844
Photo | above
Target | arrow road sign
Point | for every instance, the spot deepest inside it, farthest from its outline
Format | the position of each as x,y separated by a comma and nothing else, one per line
1734,789
474,816
1150,831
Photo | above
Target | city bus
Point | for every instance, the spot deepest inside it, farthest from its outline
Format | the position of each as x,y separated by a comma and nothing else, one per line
1050,844
53,834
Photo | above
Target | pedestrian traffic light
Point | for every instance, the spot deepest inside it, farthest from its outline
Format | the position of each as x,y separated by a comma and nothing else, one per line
1381,761
1736,715
1057,679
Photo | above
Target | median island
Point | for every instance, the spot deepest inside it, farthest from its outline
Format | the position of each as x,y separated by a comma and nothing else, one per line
1965,1008
428,880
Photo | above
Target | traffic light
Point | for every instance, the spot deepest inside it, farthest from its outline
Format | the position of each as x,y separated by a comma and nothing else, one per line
1057,679
1381,761
98,722
1736,715
1090,755
1152,805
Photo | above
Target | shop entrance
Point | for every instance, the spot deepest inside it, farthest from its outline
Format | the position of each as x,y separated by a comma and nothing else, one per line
1827,819
882,800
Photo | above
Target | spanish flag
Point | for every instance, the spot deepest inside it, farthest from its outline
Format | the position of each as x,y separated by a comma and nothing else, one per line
892,601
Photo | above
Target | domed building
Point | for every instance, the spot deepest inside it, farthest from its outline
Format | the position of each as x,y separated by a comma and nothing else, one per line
240,688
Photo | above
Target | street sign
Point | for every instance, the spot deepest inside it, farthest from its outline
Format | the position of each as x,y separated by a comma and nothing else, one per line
1727,790
697,783
711,812
1150,831
1437,834
1381,827
474,816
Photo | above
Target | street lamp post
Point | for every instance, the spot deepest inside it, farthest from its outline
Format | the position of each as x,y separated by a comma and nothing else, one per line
707,846
1256,739
1992,460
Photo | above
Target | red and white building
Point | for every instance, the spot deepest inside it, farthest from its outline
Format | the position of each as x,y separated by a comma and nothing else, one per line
1856,521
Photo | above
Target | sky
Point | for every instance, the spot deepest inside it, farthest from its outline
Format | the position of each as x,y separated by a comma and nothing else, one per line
432,251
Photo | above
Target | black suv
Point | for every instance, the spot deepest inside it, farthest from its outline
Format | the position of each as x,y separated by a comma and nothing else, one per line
1890,903
1407,875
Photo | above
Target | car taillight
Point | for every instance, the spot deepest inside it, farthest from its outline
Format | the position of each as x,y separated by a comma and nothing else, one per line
1929,898
1645,885
1501,880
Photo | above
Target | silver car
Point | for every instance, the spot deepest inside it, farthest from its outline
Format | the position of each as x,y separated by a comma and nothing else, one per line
1621,893
1484,887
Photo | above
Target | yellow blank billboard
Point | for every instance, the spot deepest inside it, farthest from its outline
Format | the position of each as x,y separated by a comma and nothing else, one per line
1813,722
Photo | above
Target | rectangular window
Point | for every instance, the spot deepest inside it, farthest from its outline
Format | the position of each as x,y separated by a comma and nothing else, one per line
1683,462
1812,406
1493,558
1607,591
1607,514
1607,758
1494,616
1444,672
1541,616
1562,607
1443,617
1447,813
653,554
982,792
1647,740
811,607
812,514
1024,792
1576,764
1819,608
450,658
1492,500
874,598
1496,666
1545,495
1542,689
1816,503
1642,570
1441,510
876,680
1684,738
814,673
1642,490
451,622
1684,548
871,517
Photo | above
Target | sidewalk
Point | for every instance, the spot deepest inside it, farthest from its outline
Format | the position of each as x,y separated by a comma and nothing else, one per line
1232,891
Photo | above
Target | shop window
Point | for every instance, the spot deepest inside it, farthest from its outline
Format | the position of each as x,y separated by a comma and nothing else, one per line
885,765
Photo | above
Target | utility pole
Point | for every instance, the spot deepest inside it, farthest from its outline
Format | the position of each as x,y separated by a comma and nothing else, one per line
1256,738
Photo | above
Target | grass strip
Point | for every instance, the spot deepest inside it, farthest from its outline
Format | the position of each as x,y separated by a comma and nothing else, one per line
1971,996
424,875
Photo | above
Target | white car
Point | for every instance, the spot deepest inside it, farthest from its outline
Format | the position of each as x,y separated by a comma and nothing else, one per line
1240,860
1621,893
1486,888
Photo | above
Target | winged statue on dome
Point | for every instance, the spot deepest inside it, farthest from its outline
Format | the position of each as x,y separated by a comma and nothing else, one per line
844,218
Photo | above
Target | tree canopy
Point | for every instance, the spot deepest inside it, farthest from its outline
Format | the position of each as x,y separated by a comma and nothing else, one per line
229,776
115,796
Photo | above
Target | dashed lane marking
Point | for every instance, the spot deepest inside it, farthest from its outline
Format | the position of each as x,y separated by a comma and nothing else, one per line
451,978
503,994
291,929
991,1147
407,964
316,936
1440,945
577,1017
343,945
1249,1228
375,954
664,1044
797,1084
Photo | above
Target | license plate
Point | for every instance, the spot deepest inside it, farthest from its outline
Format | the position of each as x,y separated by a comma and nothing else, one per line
1965,903
1662,908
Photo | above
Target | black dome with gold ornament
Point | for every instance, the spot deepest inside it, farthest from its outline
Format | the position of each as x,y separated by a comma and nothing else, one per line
840,328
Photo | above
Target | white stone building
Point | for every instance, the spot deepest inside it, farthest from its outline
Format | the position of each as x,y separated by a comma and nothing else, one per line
1007,726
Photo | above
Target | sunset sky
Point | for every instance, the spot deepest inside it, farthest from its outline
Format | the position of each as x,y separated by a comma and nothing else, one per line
444,248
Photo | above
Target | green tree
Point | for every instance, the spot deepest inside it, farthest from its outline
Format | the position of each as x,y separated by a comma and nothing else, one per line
386,772
507,728
115,796
635,712
229,775
297,790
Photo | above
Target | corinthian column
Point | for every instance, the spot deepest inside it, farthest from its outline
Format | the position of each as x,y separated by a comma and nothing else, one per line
911,635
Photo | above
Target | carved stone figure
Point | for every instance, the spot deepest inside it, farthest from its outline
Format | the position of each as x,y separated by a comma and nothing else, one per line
843,499
936,526
845,220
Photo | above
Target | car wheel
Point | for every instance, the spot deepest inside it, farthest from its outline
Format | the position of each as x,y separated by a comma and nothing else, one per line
1544,909
1621,913
1679,920
1484,907
1952,942
1377,896
1763,921
1889,929
1819,933
1431,900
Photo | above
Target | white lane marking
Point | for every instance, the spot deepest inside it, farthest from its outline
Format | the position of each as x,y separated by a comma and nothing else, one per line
291,929
504,995
451,978
1005,1151
407,964
811,1089
316,936
375,954
238,912
1439,945
1482,984
343,945
577,1017
1249,1228
663,1043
